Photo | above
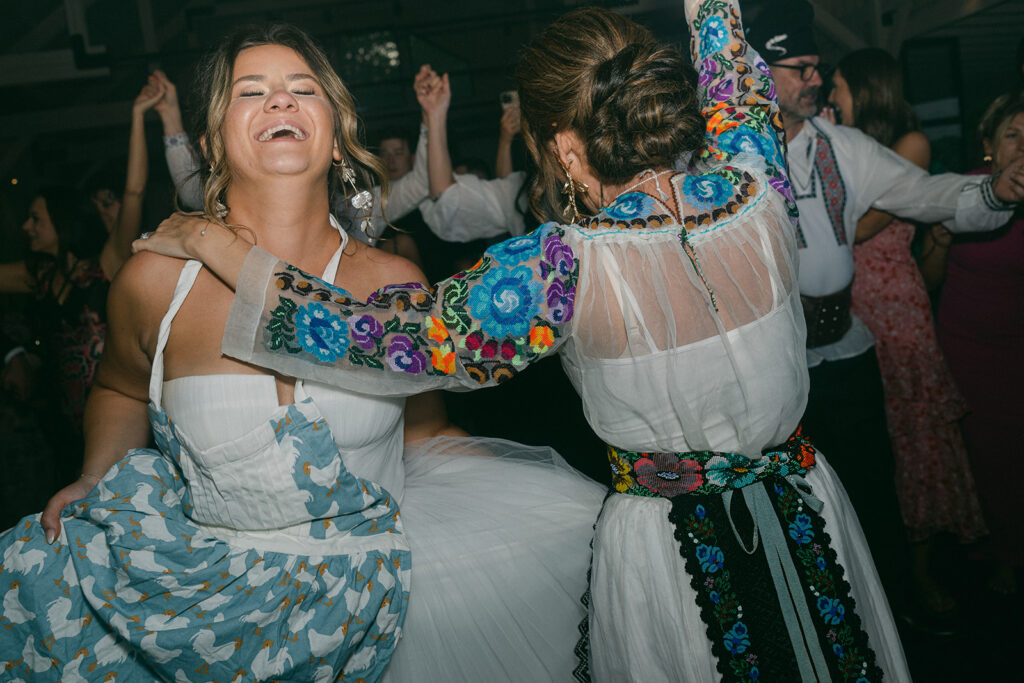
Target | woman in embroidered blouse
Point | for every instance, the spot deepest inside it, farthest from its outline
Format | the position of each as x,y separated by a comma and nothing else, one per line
676,313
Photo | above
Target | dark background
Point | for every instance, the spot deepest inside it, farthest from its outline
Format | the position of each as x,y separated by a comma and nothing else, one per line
69,69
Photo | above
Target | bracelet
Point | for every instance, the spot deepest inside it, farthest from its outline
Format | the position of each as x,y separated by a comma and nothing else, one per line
14,352
83,475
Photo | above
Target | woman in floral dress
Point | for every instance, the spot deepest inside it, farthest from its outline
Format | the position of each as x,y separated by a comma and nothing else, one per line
922,404
676,313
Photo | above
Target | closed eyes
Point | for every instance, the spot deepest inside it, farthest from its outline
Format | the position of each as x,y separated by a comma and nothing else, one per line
259,93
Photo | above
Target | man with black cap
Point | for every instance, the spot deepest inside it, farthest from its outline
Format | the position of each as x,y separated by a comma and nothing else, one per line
837,174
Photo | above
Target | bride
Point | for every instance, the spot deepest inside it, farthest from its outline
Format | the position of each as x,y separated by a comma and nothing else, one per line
276,532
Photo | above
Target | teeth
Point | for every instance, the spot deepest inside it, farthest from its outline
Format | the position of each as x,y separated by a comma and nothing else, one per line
270,132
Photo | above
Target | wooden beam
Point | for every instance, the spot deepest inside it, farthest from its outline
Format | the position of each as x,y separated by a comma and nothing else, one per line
77,117
942,12
39,67
828,23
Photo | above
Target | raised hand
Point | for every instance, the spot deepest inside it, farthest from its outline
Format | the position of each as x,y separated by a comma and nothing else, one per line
511,122
433,92
148,97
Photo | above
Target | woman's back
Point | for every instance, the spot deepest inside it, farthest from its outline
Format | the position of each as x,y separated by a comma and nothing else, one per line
693,345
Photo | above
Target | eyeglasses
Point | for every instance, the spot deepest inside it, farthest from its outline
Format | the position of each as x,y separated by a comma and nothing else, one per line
806,70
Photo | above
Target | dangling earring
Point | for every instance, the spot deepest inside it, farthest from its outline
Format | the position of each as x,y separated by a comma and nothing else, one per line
362,200
570,188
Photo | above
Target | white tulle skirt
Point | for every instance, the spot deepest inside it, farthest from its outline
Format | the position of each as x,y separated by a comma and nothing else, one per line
500,536
646,625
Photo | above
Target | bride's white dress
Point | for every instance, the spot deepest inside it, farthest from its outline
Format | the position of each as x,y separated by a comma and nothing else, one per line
302,542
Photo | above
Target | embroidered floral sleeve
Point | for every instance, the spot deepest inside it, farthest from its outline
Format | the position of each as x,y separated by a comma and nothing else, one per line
479,327
738,99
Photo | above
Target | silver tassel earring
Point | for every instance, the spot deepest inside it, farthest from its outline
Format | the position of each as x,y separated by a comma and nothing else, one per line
362,200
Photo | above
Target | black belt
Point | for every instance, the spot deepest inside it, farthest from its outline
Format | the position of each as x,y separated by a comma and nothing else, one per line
828,317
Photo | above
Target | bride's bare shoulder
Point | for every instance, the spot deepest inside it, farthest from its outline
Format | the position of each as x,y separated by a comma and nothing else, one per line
370,269
146,281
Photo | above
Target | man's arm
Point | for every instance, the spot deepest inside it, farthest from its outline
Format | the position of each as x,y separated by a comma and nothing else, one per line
890,183
473,208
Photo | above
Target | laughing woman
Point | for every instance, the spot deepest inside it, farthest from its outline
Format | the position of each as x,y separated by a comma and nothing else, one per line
263,539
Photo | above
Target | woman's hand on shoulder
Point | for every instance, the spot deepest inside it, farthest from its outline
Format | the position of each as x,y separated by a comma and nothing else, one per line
177,236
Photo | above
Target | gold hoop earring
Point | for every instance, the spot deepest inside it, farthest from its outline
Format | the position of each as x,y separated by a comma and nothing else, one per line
987,158
569,189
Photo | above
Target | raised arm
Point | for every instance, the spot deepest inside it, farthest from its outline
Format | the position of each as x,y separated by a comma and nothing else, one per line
473,208
119,244
477,328
115,413
737,93
182,161
511,124
435,95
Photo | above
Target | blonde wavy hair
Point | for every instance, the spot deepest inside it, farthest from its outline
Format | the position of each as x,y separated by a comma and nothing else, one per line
213,95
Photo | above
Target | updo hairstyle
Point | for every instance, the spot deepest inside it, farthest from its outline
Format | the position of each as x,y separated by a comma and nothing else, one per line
631,101
212,95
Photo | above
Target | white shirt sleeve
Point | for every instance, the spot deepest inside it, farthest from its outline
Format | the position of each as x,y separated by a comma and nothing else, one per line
408,191
183,165
473,208
890,183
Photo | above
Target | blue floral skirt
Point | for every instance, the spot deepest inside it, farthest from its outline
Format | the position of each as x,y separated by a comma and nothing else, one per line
135,590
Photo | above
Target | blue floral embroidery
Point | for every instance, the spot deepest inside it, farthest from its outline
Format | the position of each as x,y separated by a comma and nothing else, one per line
832,611
800,529
722,472
754,673
711,558
707,191
743,139
715,597
700,511
505,301
714,36
630,206
320,333
517,249
838,649
737,640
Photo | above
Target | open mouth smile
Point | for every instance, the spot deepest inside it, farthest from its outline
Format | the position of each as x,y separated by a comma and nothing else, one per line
282,131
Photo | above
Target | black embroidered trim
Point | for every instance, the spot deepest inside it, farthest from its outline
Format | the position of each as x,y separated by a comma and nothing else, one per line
582,650
988,195
857,661
738,601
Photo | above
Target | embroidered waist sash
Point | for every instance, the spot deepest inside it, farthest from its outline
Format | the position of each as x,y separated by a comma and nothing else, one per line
777,606
827,317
